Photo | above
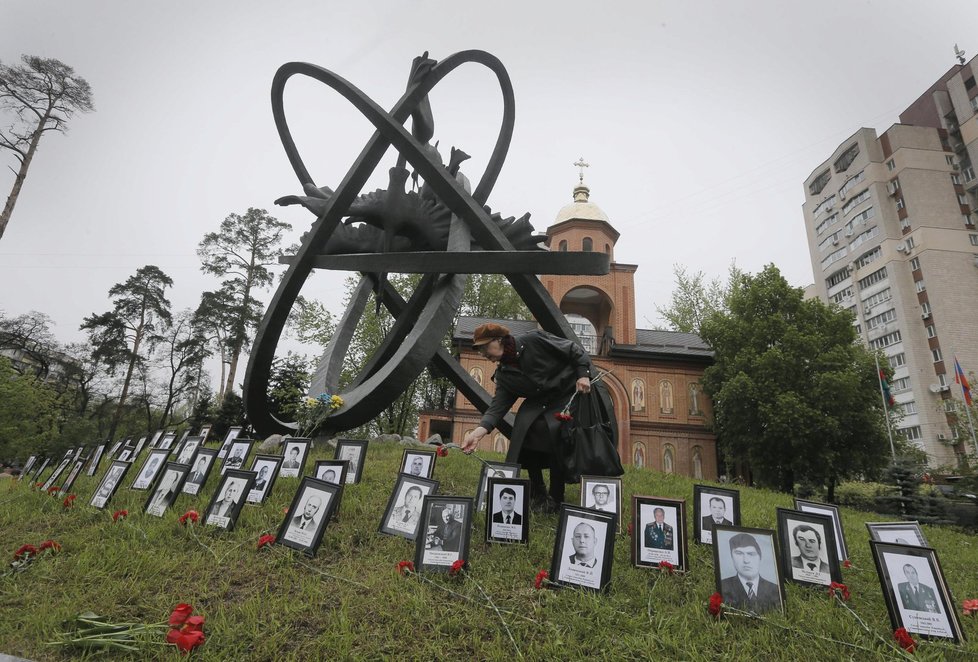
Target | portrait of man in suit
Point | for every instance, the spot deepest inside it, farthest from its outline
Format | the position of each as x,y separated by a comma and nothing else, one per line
306,520
507,508
236,459
226,504
165,493
917,596
108,485
583,541
808,565
600,498
261,482
448,535
405,516
292,461
146,478
658,534
718,514
747,589
200,471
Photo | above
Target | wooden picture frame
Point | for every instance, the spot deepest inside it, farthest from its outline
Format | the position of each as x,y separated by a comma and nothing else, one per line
146,476
417,462
238,454
111,480
58,470
187,450
903,533
229,437
266,468
295,450
72,477
95,460
200,470
166,489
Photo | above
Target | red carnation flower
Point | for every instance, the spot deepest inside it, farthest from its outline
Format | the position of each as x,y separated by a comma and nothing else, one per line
38,484
563,416
24,552
119,514
180,614
839,590
194,623
69,501
458,567
190,636
267,539
716,605
847,563
904,639
442,451
53,545
191,515
668,567
54,489
405,567
970,607
541,579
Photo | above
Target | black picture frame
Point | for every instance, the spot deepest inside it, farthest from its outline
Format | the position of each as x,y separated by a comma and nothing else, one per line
95,460
229,437
194,482
266,468
903,533
154,463
204,432
126,453
420,460
115,448
354,451
293,468
930,611
653,541
228,499
704,499
491,469
755,550
40,470
58,470
501,495
138,447
187,449
584,548
76,470
591,495
166,488
238,454
338,467
167,440
156,438
402,517
447,532
808,548
27,467
291,532
833,512
111,480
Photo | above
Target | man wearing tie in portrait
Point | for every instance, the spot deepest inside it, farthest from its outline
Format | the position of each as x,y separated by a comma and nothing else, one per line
583,542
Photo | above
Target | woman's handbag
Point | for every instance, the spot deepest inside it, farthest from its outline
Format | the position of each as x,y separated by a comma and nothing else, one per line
589,439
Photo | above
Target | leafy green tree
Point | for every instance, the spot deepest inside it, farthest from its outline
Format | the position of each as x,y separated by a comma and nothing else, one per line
121,337
42,95
795,397
30,335
29,414
230,413
182,351
287,386
241,253
694,300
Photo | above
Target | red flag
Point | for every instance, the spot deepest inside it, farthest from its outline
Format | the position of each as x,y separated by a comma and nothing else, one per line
960,379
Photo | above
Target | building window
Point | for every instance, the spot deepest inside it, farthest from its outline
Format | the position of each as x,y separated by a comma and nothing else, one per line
862,197
563,245
891,165
899,385
897,360
905,223
865,236
910,243
900,205
868,257
931,331
962,199
915,264
843,162
851,182
842,296
912,433
588,244
819,183
936,353
886,341
973,238
837,277
876,299
919,285
942,380
697,462
826,205
607,249
875,277
949,159
668,459
925,308
955,179
909,407
967,220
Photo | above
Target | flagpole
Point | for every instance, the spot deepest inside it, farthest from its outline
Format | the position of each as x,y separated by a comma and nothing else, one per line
886,405
964,396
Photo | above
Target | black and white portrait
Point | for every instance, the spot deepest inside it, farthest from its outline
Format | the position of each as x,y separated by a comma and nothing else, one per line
447,532
266,469
200,468
109,483
902,533
167,440
353,451
714,506
807,541
188,449
56,473
418,463
230,496
746,568
403,514
151,468
204,432
509,512
294,457
332,471
312,508
833,512
72,475
167,489
493,470
582,541
237,455
95,460
229,438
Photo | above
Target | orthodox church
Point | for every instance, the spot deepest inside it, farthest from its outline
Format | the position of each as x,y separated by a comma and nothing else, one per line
655,375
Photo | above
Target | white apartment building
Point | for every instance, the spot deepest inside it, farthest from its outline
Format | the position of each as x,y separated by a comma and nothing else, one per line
891,224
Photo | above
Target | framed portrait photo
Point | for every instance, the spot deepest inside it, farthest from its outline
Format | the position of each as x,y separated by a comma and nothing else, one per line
416,462
916,594
126,453
139,447
58,470
294,452
204,432
508,510
493,470
27,467
713,506
110,483
584,548
659,532
448,531
225,505
94,461
745,563
402,517
76,470
188,448
842,552
602,493
167,440
166,489
200,469
332,471
902,533
237,455
229,437
355,452
150,469
115,448
312,508
266,468
155,439
39,469
808,548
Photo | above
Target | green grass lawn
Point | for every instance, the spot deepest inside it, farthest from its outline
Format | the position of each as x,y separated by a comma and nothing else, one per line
350,603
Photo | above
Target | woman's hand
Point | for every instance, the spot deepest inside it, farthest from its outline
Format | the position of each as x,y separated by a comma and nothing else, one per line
473,438
583,385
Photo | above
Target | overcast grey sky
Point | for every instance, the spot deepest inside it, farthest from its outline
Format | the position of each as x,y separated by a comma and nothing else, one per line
700,121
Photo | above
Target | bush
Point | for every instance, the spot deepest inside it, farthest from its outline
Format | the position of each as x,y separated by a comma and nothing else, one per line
863,495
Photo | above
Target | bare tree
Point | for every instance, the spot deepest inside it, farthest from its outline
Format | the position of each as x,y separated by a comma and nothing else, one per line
42,94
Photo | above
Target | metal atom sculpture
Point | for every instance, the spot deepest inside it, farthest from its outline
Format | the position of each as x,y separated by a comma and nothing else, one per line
440,230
